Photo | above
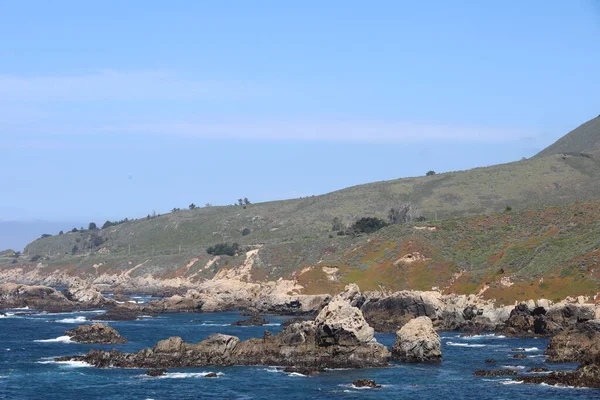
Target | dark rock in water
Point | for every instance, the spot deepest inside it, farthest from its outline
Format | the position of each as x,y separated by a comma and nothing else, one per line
495,372
370,383
300,370
294,320
518,349
524,322
95,334
580,343
584,376
120,313
211,375
519,356
538,369
156,372
255,320
490,361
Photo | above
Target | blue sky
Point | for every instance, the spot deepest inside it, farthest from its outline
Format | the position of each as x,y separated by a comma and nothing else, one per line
114,109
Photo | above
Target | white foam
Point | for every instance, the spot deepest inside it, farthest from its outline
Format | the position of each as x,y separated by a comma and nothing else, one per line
511,382
75,320
513,366
60,339
272,325
7,315
205,324
297,374
273,370
465,344
21,308
68,364
485,336
531,349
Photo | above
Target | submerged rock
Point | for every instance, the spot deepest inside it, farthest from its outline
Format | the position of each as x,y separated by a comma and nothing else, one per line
95,334
417,341
361,383
211,375
156,372
495,372
301,370
538,369
255,320
490,361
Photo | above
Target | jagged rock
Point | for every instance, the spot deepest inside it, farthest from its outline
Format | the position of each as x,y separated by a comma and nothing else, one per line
519,356
43,298
293,321
495,372
156,372
490,361
417,341
339,323
82,292
539,321
580,343
361,383
192,301
211,375
95,334
255,320
584,376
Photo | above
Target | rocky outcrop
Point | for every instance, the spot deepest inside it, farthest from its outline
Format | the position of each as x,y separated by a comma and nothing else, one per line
156,372
580,343
417,341
495,372
338,338
123,312
83,292
365,383
45,298
584,376
95,334
525,321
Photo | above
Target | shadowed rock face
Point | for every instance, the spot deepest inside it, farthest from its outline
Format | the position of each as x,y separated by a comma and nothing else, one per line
338,338
580,343
584,376
525,322
95,334
417,341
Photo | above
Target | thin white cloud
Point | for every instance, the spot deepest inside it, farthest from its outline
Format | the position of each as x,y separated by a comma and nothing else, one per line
117,85
317,130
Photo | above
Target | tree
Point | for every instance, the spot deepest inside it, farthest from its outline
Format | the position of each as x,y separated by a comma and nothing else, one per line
336,224
508,209
245,231
368,225
45,235
240,202
223,249
430,173
192,206
400,215
92,226
175,209
246,201
61,233
74,230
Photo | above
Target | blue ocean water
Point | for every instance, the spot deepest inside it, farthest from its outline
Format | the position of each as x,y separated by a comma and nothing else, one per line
29,343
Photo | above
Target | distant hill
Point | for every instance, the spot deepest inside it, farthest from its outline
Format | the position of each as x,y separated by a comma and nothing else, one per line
583,139
526,199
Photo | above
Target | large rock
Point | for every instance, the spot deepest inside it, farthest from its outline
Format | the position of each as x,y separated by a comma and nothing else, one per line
587,376
417,341
82,292
95,334
339,323
44,298
525,321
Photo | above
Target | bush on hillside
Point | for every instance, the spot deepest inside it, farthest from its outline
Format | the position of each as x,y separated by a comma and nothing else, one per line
368,225
223,249
245,231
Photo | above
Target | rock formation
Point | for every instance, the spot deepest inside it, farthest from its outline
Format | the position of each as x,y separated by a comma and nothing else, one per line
579,343
95,334
417,341
255,320
338,338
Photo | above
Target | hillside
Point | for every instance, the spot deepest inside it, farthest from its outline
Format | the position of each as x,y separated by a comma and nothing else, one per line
281,239
583,139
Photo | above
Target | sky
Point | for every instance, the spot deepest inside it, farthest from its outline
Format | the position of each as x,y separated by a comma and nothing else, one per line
117,109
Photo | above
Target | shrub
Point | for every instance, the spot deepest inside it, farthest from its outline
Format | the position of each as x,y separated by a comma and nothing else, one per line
35,258
508,209
245,231
92,226
368,225
430,173
223,249
45,235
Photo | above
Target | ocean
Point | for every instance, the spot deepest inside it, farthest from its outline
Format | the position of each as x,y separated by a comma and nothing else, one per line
29,343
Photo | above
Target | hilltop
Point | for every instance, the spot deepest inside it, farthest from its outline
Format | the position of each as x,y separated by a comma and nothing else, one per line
293,239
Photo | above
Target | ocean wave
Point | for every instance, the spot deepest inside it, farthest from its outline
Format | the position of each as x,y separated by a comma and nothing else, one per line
511,382
513,366
273,370
484,336
68,364
7,315
297,374
60,339
531,349
272,325
465,344
205,324
559,386
75,320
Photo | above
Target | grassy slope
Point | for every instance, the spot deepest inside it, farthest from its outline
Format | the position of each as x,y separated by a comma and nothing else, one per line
584,138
